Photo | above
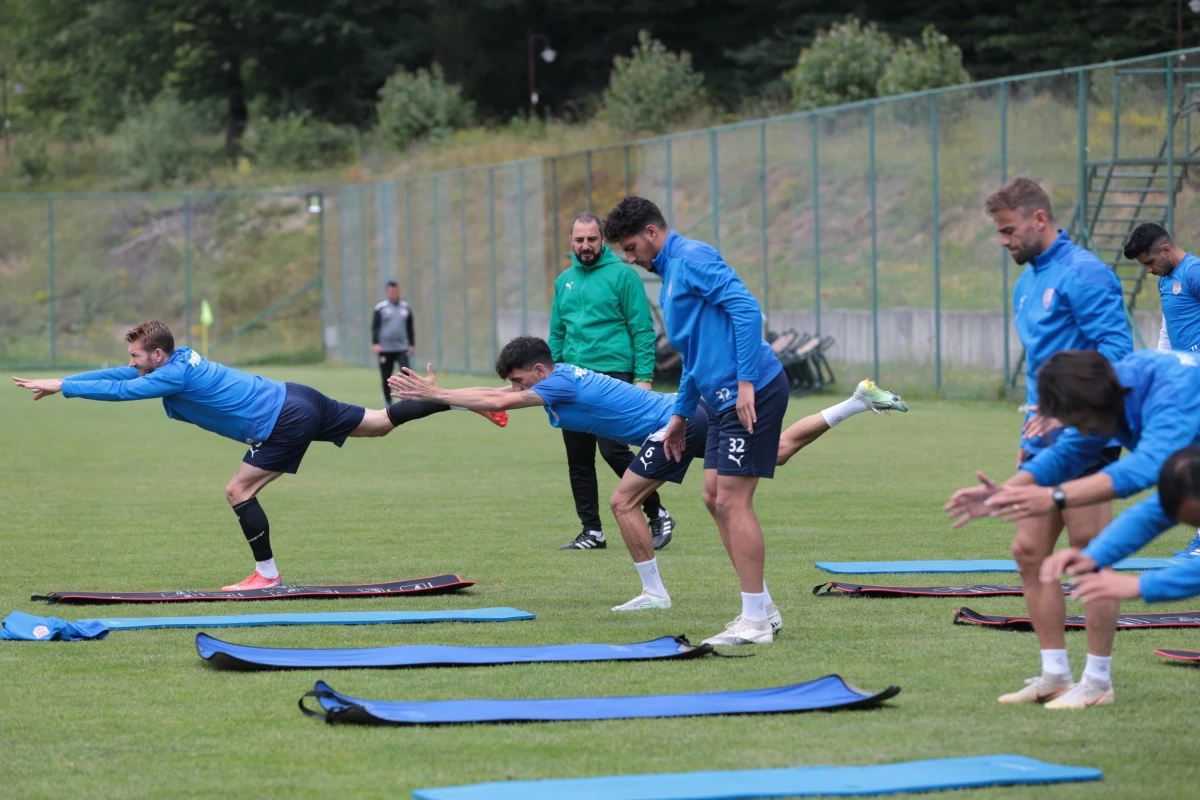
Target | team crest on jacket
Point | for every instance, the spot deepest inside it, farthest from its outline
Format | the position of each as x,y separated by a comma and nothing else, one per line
1047,298
1176,287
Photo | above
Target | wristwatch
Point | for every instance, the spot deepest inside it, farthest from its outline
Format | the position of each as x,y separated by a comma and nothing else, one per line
1059,497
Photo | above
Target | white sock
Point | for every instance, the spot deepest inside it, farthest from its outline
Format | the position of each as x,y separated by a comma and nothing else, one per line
651,580
1098,668
662,512
754,606
766,596
847,408
266,568
598,534
1054,662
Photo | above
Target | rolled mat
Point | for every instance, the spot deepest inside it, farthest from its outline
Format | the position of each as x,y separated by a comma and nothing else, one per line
26,627
984,565
839,589
826,694
237,656
1179,655
908,776
436,584
1173,619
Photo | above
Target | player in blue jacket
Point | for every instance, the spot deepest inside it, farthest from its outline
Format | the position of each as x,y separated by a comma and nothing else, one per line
277,420
1150,403
1179,288
578,399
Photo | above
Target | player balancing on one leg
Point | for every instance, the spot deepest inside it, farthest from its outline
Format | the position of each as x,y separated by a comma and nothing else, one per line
581,400
277,420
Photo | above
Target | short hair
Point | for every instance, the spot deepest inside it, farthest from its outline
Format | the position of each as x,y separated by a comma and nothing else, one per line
393,283
631,216
1021,194
588,216
522,353
1077,380
153,335
1179,479
1145,237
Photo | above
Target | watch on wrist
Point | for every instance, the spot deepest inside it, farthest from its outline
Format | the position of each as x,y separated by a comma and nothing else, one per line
1059,497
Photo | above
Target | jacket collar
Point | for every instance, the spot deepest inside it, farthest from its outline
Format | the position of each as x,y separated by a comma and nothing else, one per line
1051,253
668,250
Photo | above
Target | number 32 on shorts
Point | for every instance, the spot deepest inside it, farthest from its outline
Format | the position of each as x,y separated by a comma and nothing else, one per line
737,450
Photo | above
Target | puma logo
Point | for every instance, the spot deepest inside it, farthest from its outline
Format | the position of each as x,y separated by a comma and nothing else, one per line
569,285
736,459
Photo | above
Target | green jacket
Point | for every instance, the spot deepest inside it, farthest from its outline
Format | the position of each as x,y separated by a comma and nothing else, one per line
601,320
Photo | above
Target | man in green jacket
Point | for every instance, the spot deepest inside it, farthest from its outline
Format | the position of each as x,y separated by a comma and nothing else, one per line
601,321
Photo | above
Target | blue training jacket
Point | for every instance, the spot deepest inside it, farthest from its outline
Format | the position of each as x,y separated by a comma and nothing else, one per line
578,399
715,324
1180,292
1131,531
1067,299
193,389
1162,414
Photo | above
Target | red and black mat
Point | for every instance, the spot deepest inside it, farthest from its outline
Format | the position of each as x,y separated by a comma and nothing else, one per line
1179,655
839,589
1173,619
438,584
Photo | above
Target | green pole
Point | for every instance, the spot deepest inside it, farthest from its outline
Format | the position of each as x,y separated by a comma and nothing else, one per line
816,200
408,239
589,180
1004,256
362,268
762,203
187,269
937,243
1170,144
1084,233
629,176
437,279
466,302
492,259
521,223
53,298
715,181
321,270
874,243
554,210
343,221
670,190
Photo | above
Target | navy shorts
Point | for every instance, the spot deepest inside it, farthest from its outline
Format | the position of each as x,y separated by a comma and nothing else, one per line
652,461
307,416
732,450
1109,455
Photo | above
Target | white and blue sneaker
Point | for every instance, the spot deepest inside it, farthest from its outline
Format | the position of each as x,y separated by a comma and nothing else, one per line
1192,548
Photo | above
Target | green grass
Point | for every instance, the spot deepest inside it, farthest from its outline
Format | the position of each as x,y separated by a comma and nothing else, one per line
115,496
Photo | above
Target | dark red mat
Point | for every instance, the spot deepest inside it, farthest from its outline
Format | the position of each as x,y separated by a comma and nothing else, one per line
438,584
839,589
1173,619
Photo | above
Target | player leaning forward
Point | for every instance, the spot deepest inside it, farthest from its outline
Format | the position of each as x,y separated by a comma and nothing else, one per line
277,420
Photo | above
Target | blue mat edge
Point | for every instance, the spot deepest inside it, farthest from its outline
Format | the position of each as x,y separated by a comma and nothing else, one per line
960,566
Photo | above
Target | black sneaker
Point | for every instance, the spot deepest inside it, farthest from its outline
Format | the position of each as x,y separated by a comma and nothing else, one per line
661,529
585,541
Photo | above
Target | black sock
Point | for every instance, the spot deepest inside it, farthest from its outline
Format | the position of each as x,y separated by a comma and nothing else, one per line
255,527
407,410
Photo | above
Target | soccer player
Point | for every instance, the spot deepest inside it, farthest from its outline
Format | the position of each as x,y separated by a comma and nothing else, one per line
1179,288
393,339
1065,299
1178,499
1150,403
581,400
277,420
716,325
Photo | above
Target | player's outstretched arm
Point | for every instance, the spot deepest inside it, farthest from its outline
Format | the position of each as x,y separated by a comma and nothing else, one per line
411,386
40,388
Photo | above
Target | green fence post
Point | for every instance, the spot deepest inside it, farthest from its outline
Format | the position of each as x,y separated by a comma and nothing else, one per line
53,298
874,243
589,180
715,180
670,190
492,259
366,257
937,243
628,176
321,271
762,202
343,213
816,197
1170,144
1003,255
187,269
554,210
408,240
1084,234
521,223
437,278
466,301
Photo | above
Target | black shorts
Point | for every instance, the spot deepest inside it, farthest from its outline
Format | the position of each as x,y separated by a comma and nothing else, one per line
652,461
732,450
1109,455
307,416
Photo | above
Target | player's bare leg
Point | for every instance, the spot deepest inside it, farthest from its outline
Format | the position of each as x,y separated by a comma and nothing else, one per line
242,494
626,504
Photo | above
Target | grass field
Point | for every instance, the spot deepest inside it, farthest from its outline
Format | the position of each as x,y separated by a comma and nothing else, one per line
115,496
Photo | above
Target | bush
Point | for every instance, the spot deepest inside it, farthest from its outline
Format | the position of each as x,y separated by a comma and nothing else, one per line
933,63
33,161
298,141
843,65
651,89
421,105
156,143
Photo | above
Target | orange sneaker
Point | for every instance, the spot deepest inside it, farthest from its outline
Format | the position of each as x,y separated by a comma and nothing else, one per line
255,581
497,417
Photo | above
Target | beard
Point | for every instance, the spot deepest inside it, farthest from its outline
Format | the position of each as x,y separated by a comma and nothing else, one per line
588,257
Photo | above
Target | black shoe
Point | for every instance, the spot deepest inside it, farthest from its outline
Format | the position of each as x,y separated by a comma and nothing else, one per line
585,541
661,529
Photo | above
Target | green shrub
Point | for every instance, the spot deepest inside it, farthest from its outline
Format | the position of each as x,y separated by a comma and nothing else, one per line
157,143
842,65
933,63
651,89
420,105
33,161
298,141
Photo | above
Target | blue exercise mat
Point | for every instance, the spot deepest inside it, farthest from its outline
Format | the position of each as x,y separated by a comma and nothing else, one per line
908,776
826,694
19,625
238,656
984,565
